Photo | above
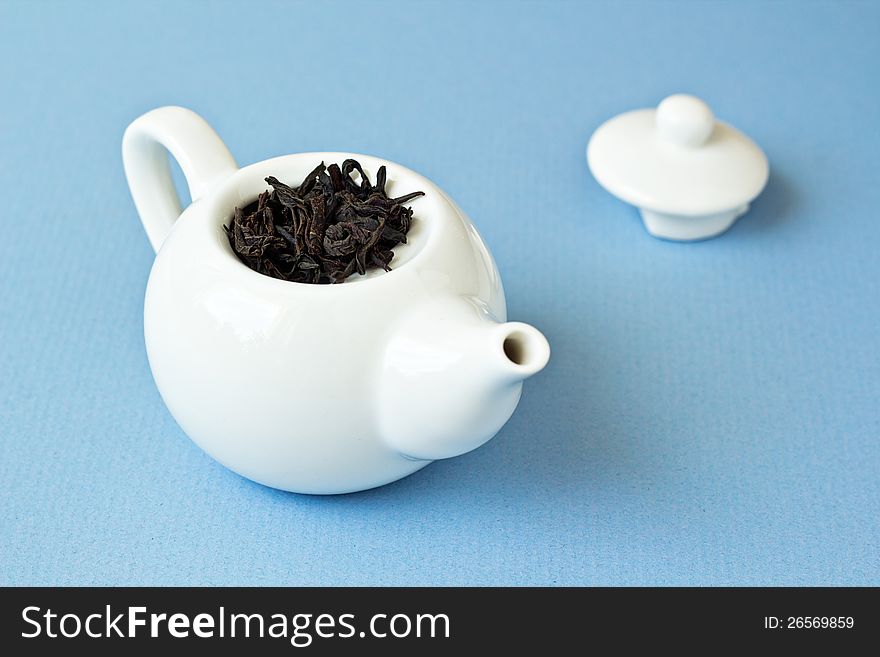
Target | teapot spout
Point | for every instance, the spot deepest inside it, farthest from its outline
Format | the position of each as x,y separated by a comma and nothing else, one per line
453,376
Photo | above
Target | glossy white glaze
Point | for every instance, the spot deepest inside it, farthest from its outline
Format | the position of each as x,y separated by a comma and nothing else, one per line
690,175
319,388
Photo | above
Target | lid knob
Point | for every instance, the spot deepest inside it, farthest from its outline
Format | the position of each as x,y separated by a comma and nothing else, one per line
685,120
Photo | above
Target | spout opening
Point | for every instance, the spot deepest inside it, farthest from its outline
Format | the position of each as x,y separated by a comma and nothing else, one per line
525,348
516,348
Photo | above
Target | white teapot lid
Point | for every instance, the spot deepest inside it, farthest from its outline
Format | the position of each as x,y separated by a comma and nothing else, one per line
677,159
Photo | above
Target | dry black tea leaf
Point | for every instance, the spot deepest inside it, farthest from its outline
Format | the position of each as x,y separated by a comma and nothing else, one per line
324,230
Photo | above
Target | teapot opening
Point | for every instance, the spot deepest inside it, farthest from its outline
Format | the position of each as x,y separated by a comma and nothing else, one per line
400,181
403,253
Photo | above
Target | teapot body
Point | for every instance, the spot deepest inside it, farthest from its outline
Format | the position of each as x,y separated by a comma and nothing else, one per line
279,381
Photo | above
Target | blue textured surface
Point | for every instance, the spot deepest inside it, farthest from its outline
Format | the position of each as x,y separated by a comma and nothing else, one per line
710,414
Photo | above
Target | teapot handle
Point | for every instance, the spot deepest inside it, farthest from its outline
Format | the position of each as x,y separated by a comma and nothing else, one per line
202,156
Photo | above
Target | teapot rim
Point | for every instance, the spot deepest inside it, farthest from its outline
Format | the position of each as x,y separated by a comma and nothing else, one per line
244,186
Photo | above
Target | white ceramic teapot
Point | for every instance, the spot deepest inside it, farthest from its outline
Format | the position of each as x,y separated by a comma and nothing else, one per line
319,388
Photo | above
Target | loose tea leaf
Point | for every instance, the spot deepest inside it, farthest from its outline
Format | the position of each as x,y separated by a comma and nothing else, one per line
324,230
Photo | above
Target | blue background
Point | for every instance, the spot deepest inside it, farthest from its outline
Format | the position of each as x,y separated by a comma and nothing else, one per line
710,414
